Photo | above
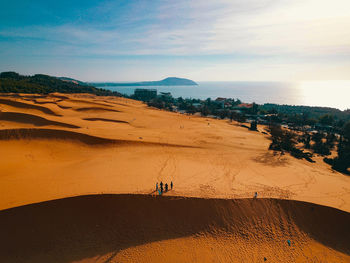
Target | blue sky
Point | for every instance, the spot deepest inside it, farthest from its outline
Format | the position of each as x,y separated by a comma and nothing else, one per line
199,39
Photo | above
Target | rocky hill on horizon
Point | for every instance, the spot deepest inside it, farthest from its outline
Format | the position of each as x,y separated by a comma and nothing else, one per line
170,81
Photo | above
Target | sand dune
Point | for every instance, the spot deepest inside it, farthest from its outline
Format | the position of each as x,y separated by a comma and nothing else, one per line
34,133
89,102
23,95
33,96
64,107
103,119
46,101
22,105
30,134
62,97
32,119
136,228
205,158
95,109
116,103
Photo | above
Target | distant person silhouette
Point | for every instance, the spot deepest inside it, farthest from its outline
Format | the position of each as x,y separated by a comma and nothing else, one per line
161,187
166,187
156,186
256,195
171,185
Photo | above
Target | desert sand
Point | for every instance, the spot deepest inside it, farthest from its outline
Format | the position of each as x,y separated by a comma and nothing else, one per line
78,175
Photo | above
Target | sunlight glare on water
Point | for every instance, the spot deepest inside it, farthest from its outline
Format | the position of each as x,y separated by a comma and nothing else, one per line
333,93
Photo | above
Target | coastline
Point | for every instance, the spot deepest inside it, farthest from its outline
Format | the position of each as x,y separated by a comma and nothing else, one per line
261,92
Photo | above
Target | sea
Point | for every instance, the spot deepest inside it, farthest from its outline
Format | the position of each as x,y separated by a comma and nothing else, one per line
333,93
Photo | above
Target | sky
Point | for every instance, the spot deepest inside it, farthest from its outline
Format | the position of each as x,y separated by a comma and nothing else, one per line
204,40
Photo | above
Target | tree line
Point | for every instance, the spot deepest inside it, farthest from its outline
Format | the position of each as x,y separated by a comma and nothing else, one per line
12,82
330,127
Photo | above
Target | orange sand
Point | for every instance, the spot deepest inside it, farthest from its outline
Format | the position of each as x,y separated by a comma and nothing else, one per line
58,146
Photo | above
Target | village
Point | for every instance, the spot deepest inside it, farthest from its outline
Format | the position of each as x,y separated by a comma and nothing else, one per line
304,120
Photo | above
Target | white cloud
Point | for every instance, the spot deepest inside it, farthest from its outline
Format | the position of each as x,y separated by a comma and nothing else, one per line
296,35
217,27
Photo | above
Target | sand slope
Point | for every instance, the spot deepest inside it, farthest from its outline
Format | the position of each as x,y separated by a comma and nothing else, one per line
220,159
136,228
90,145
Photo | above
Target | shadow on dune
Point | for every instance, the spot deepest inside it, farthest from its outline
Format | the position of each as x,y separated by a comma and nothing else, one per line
22,105
58,96
81,227
117,103
90,102
16,95
46,102
64,107
95,109
271,159
30,134
32,119
53,134
106,120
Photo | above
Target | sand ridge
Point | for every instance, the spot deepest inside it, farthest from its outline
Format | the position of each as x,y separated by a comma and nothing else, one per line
32,119
144,228
95,109
22,105
52,134
103,119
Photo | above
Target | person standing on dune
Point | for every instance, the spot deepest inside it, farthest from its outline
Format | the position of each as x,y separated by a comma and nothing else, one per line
161,187
171,185
166,187
156,186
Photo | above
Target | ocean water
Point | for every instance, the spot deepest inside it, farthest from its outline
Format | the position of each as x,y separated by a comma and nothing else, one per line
335,94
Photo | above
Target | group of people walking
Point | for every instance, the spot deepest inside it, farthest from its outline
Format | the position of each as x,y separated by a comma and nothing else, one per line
160,189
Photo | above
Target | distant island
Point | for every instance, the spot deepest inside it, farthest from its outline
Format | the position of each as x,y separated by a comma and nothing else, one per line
171,81
12,82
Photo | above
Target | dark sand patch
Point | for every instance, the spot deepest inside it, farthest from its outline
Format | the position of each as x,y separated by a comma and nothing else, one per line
64,107
106,120
52,134
90,102
32,119
117,103
22,105
59,96
95,109
46,102
271,159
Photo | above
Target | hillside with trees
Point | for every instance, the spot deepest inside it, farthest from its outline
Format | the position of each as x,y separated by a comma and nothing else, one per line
12,82
341,163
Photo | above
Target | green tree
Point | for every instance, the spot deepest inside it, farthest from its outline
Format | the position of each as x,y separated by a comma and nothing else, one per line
326,119
285,140
342,161
253,126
